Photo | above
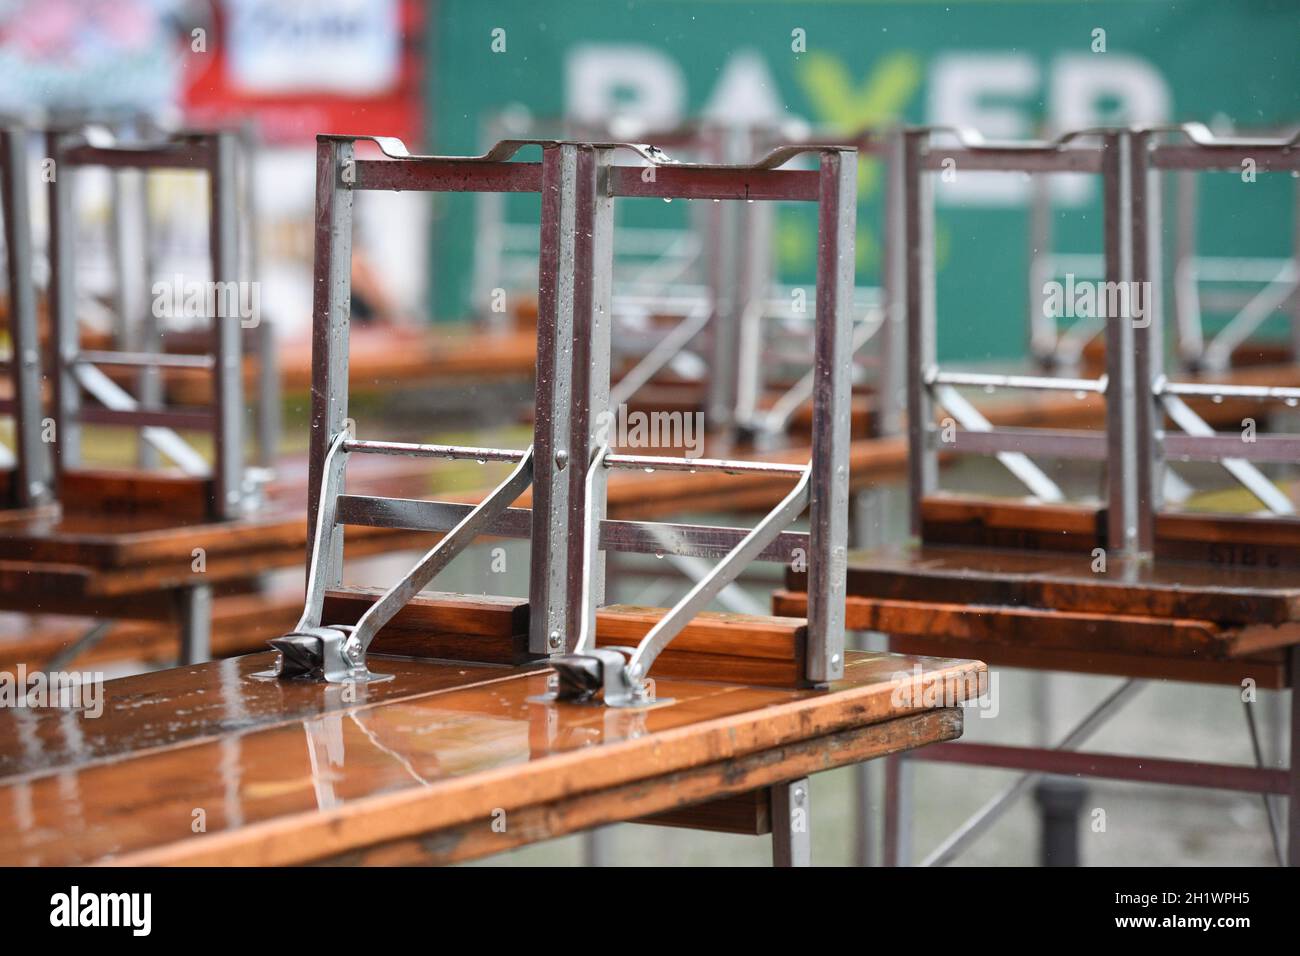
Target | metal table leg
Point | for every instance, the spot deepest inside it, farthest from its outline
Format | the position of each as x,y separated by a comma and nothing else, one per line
598,847
1270,810
897,838
1293,769
866,530
194,608
792,824
1059,799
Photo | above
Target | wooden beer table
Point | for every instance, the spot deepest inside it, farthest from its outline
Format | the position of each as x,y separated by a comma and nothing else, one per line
445,762
1128,582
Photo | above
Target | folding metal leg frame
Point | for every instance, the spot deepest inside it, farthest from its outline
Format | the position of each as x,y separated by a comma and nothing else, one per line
969,432
756,300
565,466
136,328
1133,447
78,369
678,282
32,482
1279,279
928,385
1193,148
32,479
1185,148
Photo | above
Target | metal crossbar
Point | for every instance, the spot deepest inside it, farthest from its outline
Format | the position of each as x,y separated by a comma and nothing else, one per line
759,302
715,276
1138,393
565,466
665,267
1192,147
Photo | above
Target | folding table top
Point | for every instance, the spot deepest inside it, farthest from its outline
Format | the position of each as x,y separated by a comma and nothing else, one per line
285,772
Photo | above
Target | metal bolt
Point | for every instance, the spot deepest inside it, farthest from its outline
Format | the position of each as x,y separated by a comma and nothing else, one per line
554,640
561,459
835,659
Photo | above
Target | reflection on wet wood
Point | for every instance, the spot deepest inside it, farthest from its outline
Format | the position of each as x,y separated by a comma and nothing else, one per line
210,765
188,704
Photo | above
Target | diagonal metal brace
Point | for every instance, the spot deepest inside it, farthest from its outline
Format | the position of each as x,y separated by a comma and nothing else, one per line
337,654
442,553
590,668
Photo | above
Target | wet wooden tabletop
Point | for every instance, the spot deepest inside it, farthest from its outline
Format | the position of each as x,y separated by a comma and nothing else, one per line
1070,582
212,764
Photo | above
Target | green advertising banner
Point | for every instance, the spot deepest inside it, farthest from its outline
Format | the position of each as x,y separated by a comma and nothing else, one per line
1008,69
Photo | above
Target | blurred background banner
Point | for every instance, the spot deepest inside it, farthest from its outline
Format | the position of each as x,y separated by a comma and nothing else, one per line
86,56
283,69
307,68
1007,68
296,68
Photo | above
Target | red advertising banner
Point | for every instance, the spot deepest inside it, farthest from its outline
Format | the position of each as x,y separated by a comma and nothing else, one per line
305,68
295,68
